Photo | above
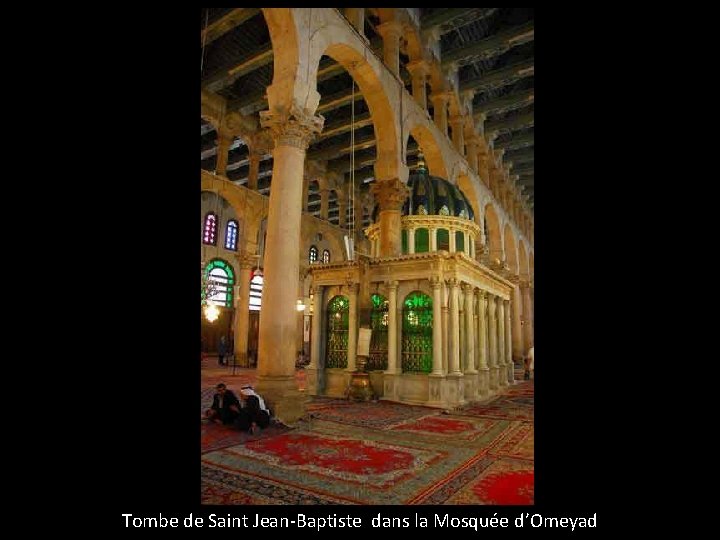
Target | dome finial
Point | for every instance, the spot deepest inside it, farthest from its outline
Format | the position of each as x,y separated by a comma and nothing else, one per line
421,163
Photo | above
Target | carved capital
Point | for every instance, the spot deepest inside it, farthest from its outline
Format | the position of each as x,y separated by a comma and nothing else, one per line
440,99
435,282
294,128
467,288
390,29
453,282
418,68
247,260
391,285
390,194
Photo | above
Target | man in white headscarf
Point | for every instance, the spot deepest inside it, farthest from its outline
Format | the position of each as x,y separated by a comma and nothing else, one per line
256,414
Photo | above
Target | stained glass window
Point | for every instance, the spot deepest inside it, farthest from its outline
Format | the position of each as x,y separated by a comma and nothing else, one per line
459,241
338,314
379,337
222,279
443,239
231,235
256,287
326,256
210,229
422,240
417,333
404,241
313,256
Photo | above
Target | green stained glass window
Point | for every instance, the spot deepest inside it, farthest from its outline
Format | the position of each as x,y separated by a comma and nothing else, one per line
379,337
422,240
417,333
218,282
338,314
443,239
404,241
459,241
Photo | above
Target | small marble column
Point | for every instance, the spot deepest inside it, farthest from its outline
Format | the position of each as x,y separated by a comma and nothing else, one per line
484,370
437,325
391,32
492,342
508,345
352,327
440,102
455,327
411,240
469,329
419,70
224,142
502,372
451,235
433,239
457,122
392,368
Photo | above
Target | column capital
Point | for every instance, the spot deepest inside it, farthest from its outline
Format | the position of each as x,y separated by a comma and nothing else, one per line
467,288
457,120
352,288
390,29
293,128
435,282
390,285
390,194
440,98
246,260
418,67
453,282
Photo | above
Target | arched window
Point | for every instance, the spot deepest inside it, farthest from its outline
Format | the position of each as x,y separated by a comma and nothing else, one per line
443,240
221,279
459,241
338,318
256,287
312,257
417,333
231,235
379,336
210,229
326,256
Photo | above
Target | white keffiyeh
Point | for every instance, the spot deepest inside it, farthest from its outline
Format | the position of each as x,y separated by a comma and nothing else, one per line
248,391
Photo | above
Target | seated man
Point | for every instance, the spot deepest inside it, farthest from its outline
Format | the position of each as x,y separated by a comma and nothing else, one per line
225,406
255,413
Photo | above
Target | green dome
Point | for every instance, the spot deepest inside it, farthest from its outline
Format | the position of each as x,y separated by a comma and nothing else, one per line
434,196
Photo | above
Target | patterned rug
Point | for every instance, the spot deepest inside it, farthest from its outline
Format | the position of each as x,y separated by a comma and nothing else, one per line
379,453
215,436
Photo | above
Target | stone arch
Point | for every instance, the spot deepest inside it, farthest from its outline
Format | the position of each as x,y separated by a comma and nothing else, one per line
523,259
511,256
431,149
531,266
365,71
461,177
492,225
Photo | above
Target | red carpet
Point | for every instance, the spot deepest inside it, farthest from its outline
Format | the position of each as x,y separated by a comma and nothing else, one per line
378,453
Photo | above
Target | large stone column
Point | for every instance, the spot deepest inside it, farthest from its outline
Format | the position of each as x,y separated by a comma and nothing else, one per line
419,70
483,369
312,369
224,142
390,195
510,366
457,123
492,342
440,102
391,32
472,160
527,315
324,203
455,327
352,327
356,17
502,372
291,133
254,171
242,309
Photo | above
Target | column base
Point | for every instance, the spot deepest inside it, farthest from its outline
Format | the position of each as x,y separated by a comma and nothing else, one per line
391,383
502,375
455,390
360,387
282,396
311,381
471,385
511,373
494,377
483,388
